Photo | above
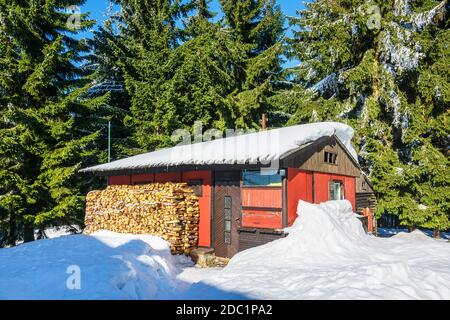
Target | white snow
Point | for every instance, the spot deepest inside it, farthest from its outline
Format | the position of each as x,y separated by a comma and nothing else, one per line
264,147
424,19
399,53
326,255
402,7
55,232
327,84
389,232
415,235
112,266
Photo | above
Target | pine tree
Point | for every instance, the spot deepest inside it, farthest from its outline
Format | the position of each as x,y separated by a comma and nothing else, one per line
148,31
180,67
200,73
223,73
383,67
107,78
45,126
257,27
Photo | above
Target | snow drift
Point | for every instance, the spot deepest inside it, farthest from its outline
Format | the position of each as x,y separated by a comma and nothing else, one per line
327,255
111,265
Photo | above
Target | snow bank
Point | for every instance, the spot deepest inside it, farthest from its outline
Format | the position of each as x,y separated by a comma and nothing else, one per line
389,232
55,232
327,255
112,266
415,235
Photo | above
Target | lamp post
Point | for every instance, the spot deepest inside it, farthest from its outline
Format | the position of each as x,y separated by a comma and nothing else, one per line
109,141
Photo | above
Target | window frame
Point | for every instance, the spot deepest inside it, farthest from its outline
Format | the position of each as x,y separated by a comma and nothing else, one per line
334,181
228,205
280,185
334,159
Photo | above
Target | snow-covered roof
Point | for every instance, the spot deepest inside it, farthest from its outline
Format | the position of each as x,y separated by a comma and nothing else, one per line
261,147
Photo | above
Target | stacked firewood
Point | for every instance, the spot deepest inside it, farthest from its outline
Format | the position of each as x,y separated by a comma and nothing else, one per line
168,210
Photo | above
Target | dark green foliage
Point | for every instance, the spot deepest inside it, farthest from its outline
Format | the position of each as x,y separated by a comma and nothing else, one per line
256,26
180,67
383,67
45,128
162,65
107,78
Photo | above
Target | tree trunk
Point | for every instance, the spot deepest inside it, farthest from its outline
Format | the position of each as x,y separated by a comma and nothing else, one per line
12,234
28,232
437,233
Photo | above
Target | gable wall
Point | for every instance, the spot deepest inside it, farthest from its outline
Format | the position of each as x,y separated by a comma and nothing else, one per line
311,158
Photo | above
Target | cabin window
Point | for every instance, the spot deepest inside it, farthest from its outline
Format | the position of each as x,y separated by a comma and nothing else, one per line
228,204
197,186
364,186
257,179
336,190
330,157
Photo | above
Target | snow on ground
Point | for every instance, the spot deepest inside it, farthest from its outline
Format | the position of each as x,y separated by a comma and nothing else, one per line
327,255
56,232
389,232
112,266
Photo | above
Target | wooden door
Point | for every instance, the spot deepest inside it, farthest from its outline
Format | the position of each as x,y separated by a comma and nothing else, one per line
227,213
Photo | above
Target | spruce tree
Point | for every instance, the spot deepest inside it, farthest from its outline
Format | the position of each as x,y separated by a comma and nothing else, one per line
148,31
181,67
106,77
201,73
384,68
223,72
45,127
257,28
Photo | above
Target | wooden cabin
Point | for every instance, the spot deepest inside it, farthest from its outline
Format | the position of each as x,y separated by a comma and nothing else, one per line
250,192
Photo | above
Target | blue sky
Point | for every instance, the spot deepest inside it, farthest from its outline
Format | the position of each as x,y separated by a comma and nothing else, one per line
97,10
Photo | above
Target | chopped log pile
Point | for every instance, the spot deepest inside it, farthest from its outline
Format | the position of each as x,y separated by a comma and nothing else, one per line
168,210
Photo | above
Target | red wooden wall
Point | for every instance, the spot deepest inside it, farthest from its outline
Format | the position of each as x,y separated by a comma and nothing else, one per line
262,207
204,201
321,181
142,178
119,180
299,187
168,177
204,231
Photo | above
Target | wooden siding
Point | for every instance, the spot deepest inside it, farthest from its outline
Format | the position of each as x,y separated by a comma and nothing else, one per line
321,190
260,218
250,238
262,207
168,177
142,178
204,228
311,158
299,187
366,200
119,180
363,184
265,197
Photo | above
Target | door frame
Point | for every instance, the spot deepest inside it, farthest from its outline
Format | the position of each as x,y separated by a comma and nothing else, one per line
236,218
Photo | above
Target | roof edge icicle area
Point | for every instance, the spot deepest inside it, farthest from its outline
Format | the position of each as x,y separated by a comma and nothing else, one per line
261,147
